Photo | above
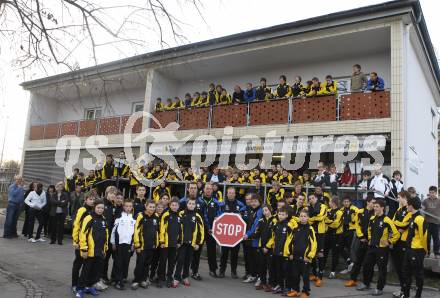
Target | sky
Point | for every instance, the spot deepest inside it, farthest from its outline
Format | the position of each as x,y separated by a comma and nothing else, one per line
223,17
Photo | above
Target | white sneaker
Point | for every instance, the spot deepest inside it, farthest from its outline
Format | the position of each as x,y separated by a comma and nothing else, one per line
40,240
345,271
350,266
100,286
32,240
332,275
258,283
250,279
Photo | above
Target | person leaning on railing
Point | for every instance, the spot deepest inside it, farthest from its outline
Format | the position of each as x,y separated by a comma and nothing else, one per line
238,95
329,87
375,83
159,107
283,90
262,91
358,81
314,88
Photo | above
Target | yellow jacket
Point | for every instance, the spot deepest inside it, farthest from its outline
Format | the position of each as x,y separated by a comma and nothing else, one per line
93,237
418,232
159,107
402,223
291,224
336,222
317,220
77,223
383,229
328,90
225,100
158,192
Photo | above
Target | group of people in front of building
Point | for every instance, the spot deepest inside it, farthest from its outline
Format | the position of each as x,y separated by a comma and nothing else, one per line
218,95
290,235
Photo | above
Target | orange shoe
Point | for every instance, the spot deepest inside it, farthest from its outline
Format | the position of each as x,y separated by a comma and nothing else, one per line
313,278
293,294
350,283
318,282
304,295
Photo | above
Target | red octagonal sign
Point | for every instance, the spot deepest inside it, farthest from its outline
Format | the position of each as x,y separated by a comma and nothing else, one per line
228,229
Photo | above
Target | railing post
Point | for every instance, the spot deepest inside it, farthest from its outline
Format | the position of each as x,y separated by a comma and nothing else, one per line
210,117
289,111
248,116
98,125
338,107
224,189
186,188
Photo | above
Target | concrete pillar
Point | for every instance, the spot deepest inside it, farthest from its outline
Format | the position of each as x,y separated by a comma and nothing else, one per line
397,104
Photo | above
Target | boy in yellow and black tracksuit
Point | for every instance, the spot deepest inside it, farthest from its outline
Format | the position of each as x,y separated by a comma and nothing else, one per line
317,216
401,220
275,194
417,247
333,236
81,213
191,238
382,233
349,219
169,240
303,251
264,233
93,240
146,240
363,219
280,245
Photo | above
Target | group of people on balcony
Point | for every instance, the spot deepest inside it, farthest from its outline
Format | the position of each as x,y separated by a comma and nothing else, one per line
217,95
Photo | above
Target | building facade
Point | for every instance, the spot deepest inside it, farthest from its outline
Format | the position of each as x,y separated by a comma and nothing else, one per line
390,39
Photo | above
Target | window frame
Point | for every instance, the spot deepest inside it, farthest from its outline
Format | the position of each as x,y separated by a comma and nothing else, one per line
95,111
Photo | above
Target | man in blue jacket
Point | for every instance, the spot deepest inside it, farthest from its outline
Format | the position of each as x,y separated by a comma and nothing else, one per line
375,83
250,93
15,200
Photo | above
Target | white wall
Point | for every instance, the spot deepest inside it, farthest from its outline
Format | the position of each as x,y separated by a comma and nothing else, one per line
419,127
164,88
42,110
115,104
379,62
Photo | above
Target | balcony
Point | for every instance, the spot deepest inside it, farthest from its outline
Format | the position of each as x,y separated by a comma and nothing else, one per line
355,106
83,128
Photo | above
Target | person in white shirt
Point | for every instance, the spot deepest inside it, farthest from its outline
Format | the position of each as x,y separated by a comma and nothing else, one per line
36,200
122,243
396,186
380,184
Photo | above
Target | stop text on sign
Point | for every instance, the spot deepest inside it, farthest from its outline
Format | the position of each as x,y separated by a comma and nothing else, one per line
229,229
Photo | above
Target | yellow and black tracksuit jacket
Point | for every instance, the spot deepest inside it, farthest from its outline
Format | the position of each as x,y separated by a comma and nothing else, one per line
77,222
170,106
69,183
382,229
192,228
297,89
262,177
314,89
155,175
123,171
244,180
93,237
263,232
261,91
90,181
317,215
203,177
417,232
285,180
225,100
159,107
282,236
283,91
160,191
196,101
189,177
327,89
146,232
363,219
108,171
324,198
203,102
213,97
218,196
304,244
334,221
82,183
401,220
349,218
170,229
273,197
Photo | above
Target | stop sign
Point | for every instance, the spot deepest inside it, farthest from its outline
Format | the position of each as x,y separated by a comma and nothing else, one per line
228,229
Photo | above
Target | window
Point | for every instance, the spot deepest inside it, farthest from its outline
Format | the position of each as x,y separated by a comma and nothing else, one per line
434,123
137,107
92,113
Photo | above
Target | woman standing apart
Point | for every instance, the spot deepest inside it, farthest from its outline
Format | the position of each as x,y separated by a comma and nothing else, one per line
58,213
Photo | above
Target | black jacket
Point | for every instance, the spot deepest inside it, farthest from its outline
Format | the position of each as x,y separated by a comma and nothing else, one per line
56,202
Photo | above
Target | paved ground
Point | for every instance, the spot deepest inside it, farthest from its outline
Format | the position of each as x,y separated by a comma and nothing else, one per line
39,269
